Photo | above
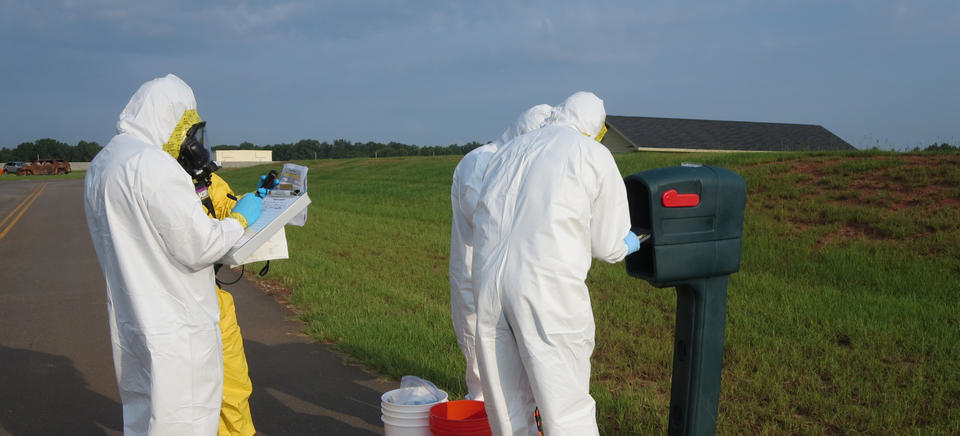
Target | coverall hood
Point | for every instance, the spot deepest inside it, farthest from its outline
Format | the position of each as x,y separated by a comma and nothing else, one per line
583,111
157,109
529,120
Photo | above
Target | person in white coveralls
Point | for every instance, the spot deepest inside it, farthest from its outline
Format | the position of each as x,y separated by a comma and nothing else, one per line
551,200
464,194
157,247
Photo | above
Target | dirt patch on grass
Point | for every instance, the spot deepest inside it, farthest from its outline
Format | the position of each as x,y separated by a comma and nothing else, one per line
813,168
927,183
844,232
637,382
881,186
274,288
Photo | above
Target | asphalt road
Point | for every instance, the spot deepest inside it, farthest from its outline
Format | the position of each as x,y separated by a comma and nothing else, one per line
56,370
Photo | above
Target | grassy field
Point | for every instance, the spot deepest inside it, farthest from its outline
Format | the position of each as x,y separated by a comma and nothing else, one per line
844,318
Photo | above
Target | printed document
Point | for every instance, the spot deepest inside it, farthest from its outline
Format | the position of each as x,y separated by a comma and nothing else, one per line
265,239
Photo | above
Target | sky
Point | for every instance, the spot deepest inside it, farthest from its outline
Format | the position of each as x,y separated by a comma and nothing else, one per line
876,73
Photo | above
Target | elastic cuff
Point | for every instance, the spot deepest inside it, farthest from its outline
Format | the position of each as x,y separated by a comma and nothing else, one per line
239,217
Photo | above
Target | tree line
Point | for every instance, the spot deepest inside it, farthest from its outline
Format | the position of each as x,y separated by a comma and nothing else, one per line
304,149
312,149
48,148
942,147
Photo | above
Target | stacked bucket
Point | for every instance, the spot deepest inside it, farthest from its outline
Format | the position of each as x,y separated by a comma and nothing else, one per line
459,418
440,418
406,419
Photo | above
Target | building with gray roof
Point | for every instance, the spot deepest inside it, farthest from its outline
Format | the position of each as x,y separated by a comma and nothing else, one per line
676,134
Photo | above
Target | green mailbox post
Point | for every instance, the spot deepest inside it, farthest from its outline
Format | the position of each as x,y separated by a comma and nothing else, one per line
694,216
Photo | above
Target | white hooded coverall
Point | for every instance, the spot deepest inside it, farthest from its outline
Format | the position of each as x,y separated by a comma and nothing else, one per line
464,195
157,246
551,200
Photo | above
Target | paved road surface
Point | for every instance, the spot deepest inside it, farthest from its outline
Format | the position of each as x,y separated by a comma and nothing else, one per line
56,371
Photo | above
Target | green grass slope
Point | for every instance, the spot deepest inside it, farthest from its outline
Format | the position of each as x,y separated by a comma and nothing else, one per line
844,317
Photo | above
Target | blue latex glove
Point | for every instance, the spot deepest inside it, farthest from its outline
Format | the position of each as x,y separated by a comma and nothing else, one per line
632,241
263,178
262,189
248,207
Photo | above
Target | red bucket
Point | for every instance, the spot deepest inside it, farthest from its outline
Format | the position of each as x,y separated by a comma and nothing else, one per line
459,418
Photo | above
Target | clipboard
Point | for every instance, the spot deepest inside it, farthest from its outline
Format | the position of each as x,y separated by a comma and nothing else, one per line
279,207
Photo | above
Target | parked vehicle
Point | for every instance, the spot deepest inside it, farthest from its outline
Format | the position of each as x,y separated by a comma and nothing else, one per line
45,166
12,167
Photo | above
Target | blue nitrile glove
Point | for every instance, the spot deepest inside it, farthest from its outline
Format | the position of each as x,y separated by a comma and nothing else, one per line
247,209
263,178
262,188
632,241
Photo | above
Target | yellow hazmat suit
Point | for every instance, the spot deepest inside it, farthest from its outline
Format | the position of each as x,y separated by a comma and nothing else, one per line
235,417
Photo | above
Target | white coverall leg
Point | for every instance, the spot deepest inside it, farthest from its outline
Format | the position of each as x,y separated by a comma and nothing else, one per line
157,247
464,195
551,200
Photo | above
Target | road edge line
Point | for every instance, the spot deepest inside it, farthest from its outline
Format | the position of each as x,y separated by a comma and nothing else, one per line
35,195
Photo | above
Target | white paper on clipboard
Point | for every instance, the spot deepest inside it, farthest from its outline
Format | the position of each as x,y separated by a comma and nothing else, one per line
296,176
274,249
279,207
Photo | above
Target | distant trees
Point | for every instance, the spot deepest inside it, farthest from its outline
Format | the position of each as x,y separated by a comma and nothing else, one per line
51,149
302,150
341,148
942,148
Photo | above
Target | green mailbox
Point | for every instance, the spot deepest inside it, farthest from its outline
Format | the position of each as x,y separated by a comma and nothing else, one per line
694,216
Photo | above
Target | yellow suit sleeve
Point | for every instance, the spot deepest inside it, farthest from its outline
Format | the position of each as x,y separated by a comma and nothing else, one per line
218,191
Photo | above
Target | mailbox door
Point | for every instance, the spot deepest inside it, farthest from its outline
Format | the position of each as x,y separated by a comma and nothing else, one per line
695,217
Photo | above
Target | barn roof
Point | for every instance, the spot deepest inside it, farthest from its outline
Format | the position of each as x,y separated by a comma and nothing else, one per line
678,133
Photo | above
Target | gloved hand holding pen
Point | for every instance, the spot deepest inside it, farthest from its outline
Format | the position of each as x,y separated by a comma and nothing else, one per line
247,209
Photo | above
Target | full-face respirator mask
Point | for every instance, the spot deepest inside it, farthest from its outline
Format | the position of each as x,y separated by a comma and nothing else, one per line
195,156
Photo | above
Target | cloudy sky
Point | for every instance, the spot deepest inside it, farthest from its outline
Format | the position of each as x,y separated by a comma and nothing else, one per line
881,73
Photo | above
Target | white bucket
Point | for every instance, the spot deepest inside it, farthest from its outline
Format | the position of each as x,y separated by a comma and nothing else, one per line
403,415
393,428
406,419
